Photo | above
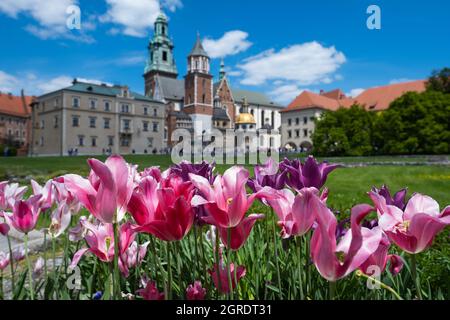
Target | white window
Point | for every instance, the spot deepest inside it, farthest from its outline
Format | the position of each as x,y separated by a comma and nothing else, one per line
92,122
150,142
75,102
93,104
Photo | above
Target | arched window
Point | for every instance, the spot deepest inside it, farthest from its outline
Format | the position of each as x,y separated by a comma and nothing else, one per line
203,99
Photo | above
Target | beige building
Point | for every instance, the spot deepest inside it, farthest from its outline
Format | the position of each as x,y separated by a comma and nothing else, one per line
91,119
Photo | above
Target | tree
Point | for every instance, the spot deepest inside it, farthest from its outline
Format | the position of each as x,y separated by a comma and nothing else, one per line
439,81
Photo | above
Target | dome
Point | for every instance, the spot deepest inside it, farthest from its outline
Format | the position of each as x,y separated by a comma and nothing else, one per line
245,118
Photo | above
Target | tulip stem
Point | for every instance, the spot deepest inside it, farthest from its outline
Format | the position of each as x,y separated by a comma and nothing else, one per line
218,267
1,285
381,284
230,282
11,264
30,271
276,258
116,262
300,267
202,252
169,272
415,276
45,255
55,277
332,290
196,251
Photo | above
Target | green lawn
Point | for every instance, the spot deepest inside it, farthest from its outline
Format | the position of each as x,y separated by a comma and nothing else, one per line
348,185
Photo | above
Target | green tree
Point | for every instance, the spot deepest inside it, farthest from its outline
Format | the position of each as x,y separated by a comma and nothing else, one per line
439,81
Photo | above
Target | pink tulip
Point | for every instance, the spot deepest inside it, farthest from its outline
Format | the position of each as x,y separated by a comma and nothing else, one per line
25,214
223,276
379,258
337,261
38,267
132,257
413,229
240,233
226,200
61,218
46,192
9,194
163,210
150,292
106,192
4,228
62,194
227,203
78,232
4,260
100,241
18,254
196,291
294,212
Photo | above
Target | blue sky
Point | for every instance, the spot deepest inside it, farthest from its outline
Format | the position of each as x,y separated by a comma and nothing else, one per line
278,47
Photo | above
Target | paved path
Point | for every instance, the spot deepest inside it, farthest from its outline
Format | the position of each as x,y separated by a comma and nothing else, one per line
36,240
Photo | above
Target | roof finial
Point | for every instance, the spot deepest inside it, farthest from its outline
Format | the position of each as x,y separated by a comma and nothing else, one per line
222,72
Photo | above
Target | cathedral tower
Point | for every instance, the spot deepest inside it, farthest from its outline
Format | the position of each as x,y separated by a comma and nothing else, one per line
198,98
160,56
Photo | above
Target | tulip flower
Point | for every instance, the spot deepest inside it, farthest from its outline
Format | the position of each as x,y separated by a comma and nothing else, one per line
227,203
165,210
46,192
4,228
9,194
4,260
380,257
19,254
309,174
61,218
78,232
63,195
185,168
222,276
132,257
295,213
100,241
25,214
398,200
150,292
153,172
415,228
195,291
38,267
106,192
268,175
335,261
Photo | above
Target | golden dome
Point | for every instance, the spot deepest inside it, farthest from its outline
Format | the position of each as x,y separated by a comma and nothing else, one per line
245,118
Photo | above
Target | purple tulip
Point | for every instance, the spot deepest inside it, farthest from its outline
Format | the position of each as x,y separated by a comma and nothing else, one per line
398,200
203,169
268,175
307,175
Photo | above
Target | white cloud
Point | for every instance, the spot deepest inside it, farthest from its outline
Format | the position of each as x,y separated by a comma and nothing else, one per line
135,17
303,64
355,92
34,85
172,5
286,93
231,43
7,82
50,18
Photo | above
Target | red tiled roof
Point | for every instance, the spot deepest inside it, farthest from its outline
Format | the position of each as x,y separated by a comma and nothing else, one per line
374,99
14,105
380,98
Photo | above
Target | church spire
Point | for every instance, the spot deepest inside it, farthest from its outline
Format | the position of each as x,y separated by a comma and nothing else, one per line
222,72
198,59
160,55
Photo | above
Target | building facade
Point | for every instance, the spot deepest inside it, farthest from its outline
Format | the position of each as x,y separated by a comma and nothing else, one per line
91,119
15,122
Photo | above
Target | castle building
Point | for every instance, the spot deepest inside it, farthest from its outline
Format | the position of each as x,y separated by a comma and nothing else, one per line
198,99
92,119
